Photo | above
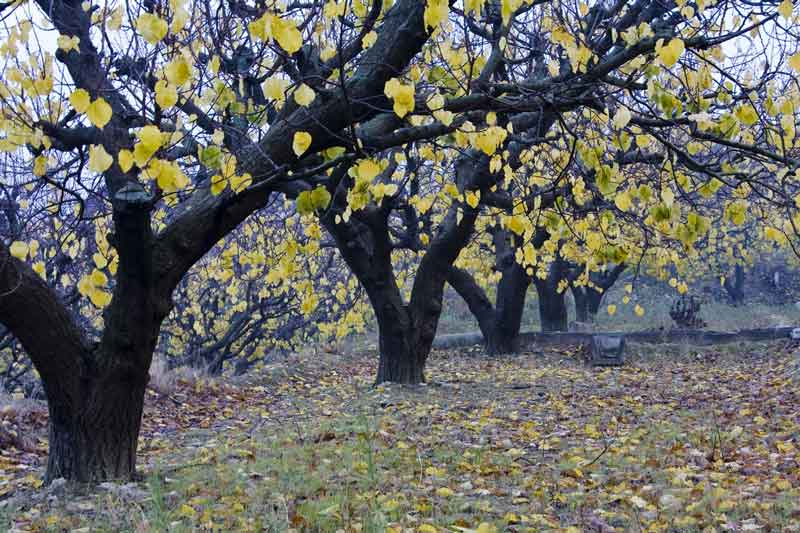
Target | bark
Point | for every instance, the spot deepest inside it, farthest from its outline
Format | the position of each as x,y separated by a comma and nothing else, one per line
96,439
552,303
94,398
735,287
511,291
95,392
552,307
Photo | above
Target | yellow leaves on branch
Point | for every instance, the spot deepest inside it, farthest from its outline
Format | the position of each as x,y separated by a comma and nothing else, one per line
80,100
19,250
301,142
670,52
152,27
436,12
490,139
178,71
228,175
785,9
168,175
794,62
150,140
166,94
402,95
67,43
309,202
621,118
99,159
275,89
304,95
98,111
93,285
283,31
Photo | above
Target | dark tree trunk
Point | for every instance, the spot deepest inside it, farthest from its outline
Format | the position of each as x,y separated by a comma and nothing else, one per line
95,393
97,440
552,303
580,296
587,303
366,248
401,358
511,291
735,288
552,307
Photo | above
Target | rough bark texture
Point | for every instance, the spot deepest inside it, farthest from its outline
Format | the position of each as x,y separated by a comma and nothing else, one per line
552,304
94,398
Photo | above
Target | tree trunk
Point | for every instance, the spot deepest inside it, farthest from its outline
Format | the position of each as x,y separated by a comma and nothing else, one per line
579,295
366,248
97,440
511,291
594,299
95,392
735,288
401,359
552,308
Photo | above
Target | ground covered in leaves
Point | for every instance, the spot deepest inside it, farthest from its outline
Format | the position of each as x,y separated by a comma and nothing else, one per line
677,440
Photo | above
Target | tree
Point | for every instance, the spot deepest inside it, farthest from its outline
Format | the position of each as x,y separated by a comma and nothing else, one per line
172,103
493,105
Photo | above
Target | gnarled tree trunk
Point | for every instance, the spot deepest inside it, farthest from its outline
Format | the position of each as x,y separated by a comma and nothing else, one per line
95,392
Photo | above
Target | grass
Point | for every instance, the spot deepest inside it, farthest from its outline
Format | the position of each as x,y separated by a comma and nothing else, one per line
680,439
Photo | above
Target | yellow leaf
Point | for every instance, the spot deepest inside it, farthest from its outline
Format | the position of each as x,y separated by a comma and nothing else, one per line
150,139
670,53
301,142
638,310
611,309
125,160
240,183
99,159
427,528
623,201
152,27
473,198
218,184
402,95
622,117
473,6
794,62
785,9
68,44
166,94
178,71
79,99
40,165
436,12
304,95
286,34
275,88
367,169
19,250
99,112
